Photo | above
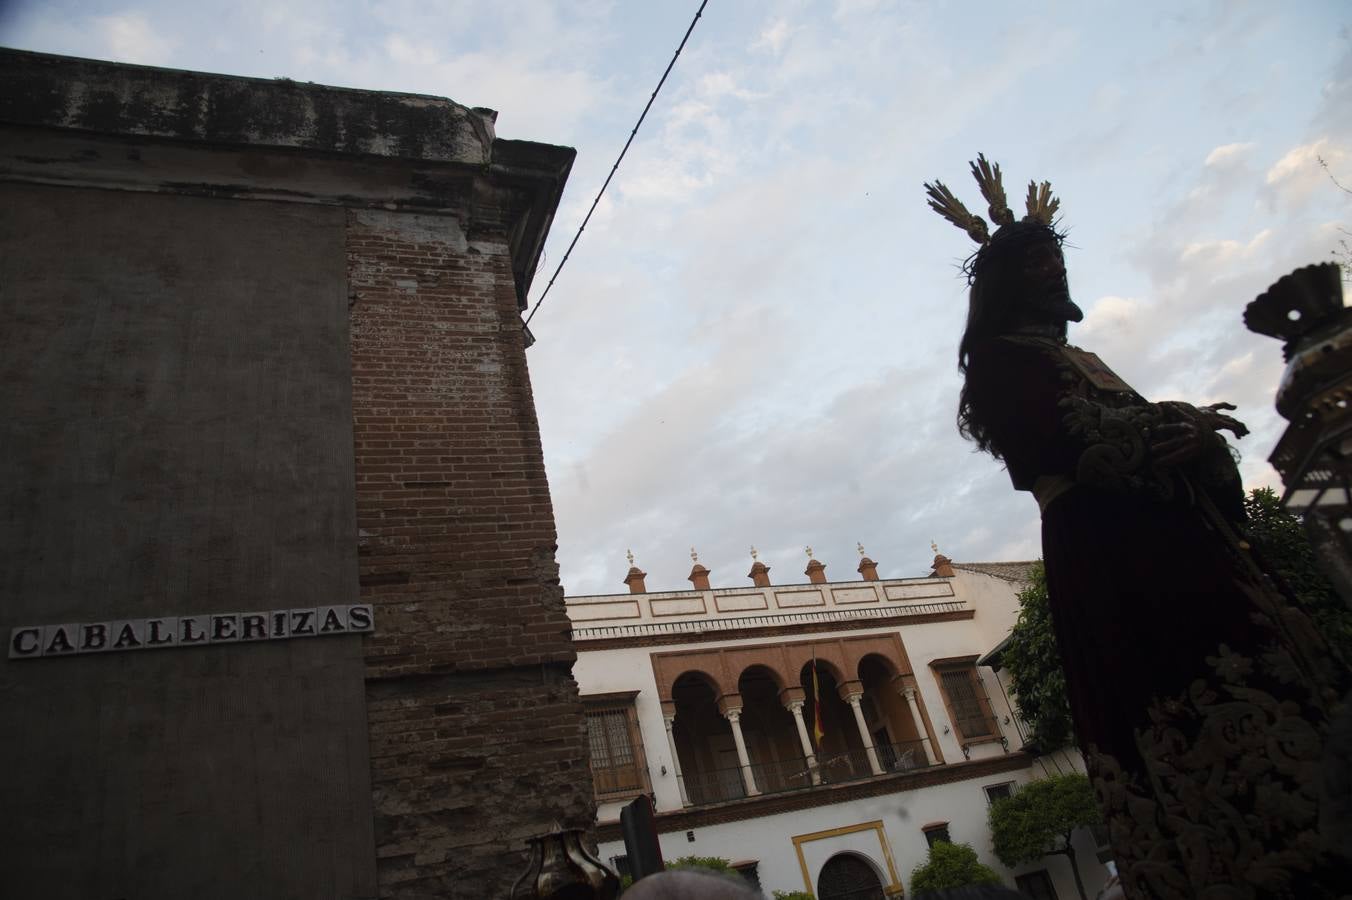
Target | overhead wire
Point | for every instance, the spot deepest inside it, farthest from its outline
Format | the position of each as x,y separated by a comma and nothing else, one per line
583,227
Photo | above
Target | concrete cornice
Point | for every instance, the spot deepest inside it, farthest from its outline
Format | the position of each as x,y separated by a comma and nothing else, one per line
88,123
41,89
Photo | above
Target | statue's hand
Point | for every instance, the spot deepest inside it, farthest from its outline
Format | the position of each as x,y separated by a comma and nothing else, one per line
1192,432
1212,416
1179,442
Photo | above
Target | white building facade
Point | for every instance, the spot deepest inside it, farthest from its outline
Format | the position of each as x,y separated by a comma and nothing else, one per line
823,733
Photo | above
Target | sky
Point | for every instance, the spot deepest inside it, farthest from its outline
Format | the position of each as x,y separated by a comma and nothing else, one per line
754,343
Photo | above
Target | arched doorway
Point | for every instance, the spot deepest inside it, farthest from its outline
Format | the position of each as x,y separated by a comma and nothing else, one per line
849,877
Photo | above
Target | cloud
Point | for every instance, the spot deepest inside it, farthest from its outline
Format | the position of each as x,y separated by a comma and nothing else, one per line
1225,252
401,50
754,340
719,84
1110,316
773,37
131,37
1227,153
1302,169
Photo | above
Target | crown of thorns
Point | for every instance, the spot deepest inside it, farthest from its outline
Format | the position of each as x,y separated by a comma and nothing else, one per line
1041,204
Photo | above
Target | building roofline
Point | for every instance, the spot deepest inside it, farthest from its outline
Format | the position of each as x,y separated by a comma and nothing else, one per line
751,588
612,637
47,90
131,102
1015,570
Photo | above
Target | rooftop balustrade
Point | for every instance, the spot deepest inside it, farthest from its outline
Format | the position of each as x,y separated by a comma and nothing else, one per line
705,625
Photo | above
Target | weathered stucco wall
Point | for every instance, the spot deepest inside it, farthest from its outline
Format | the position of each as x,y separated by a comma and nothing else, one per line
38,89
261,349
175,379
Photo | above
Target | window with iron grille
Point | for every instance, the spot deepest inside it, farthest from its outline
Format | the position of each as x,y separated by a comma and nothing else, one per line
617,763
966,700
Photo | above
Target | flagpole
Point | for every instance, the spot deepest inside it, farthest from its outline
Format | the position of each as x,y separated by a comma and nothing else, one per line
818,732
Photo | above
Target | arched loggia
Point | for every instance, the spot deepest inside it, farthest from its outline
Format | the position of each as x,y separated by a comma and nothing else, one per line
704,742
841,754
771,736
897,736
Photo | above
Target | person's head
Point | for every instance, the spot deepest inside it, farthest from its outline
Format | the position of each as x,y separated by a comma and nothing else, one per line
691,884
1018,279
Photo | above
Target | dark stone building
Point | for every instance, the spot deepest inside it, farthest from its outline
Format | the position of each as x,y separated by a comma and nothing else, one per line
276,545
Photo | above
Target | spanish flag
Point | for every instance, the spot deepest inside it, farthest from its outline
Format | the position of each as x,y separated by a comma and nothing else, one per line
817,732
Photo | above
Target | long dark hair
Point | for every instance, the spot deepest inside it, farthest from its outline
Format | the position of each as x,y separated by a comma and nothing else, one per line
995,274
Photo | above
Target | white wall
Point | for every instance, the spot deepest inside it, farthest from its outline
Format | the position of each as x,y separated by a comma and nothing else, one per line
630,669
769,839
995,601
995,608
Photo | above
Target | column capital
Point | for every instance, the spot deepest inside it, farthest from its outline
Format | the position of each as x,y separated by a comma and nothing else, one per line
732,714
854,698
668,719
908,691
794,706
729,702
846,688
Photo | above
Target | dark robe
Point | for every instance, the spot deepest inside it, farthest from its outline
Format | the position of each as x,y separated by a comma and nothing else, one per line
1200,695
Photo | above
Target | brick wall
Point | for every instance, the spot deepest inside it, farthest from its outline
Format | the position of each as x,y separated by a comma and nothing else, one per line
477,737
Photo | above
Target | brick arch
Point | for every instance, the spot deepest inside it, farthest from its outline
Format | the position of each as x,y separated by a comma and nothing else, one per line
777,676
892,666
715,683
723,666
829,657
708,664
886,646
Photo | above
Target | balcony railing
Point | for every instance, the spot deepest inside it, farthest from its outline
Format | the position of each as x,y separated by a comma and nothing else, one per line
700,626
972,730
721,785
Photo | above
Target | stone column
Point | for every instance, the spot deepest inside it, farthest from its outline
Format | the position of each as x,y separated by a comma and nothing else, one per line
867,738
734,717
675,760
796,707
909,693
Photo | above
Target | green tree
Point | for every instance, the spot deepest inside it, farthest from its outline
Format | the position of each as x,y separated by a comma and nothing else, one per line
1034,665
950,866
1039,819
709,863
1281,539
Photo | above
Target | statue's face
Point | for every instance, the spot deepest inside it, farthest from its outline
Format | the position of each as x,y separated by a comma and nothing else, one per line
1045,290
